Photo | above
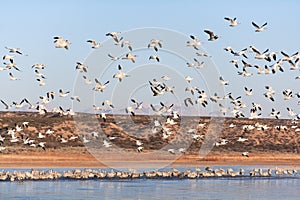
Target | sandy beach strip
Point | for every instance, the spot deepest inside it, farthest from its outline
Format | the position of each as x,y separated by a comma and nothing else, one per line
79,160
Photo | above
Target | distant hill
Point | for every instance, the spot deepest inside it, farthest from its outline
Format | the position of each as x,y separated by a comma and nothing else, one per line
260,135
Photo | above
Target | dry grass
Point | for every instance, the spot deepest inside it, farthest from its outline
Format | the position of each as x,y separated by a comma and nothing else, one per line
269,146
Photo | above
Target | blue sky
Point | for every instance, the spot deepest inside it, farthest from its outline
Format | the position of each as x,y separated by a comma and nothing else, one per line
31,25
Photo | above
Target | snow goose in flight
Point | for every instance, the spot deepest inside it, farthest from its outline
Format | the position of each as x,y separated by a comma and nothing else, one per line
166,109
38,74
130,109
222,81
245,64
197,63
41,82
126,43
232,21
157,89
87,80
215,98
99,86
114,58
291,112
189,79
166,78
245,73
235,63
223,109
63,94
259,55
154,57
234,100
138,105
11,65
12,77
38,66
270,89
108,102
296,55
188,101
286,56
277,66
268,70
81,67
14,50
97,107
237,113
212,36
260,70
202,54
156,111
272,55
103,116
131,57
259,28
95,45
294,65
288,94
202,99
254,114
240,53
195,42
121,74
269,95
191,89
61,43
155,43
113,35
41,109
5,104
190,64
275,113
2,69
75,98
229,48
248,91
9,57
50,95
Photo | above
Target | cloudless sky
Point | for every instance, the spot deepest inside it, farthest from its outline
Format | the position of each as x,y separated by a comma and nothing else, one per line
31,26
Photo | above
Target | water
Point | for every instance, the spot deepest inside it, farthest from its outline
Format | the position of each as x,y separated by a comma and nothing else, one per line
207,188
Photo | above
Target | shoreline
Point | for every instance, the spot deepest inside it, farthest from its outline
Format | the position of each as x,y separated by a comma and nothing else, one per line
79,160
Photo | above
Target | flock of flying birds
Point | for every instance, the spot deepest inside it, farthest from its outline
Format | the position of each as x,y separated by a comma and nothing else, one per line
195,95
